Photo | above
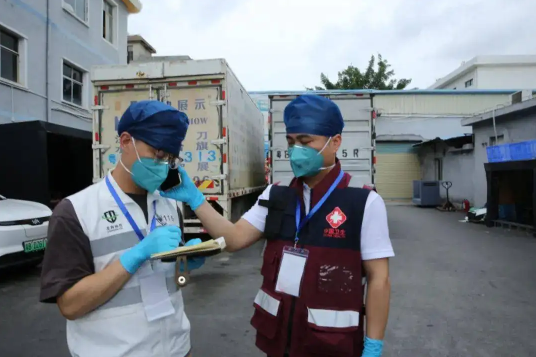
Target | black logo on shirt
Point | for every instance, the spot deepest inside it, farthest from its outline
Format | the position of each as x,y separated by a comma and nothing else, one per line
110,216
164,219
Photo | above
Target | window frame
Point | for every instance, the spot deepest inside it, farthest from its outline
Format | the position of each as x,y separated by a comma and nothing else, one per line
84,83
130,53
73,13
115,25
438,169
496,141
22,64
469,83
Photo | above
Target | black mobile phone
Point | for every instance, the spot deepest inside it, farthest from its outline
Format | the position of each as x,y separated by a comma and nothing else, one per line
173,180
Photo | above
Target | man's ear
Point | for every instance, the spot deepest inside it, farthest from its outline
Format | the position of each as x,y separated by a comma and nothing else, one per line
336,142
124,141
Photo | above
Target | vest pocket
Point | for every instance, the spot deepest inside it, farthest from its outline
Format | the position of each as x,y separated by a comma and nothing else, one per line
270,265
338,279
332,332
266,318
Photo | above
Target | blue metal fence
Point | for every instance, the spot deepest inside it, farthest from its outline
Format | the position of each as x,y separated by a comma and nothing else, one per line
525,150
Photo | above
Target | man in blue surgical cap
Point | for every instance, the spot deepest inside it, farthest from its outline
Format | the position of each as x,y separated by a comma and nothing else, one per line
323,237
97,266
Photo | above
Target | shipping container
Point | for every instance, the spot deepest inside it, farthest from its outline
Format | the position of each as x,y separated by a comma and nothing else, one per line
224,143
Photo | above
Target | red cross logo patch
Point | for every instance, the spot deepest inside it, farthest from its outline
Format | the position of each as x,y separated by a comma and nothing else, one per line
336,218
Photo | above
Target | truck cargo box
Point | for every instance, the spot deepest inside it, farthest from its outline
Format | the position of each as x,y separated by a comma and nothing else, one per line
224,143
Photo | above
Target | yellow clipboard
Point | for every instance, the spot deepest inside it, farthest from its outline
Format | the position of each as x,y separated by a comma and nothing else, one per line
205,249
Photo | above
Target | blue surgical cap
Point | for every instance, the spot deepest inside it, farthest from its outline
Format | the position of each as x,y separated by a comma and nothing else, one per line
156,124
313,114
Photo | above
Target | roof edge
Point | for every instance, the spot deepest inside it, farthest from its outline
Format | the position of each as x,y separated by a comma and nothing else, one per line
500,112
391,92
133,6
143,41
484,61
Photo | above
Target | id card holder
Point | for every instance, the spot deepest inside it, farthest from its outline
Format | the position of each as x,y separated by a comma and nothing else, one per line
291,271
154,294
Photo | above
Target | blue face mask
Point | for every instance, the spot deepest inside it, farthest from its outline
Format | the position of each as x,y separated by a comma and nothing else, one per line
306,161
148,173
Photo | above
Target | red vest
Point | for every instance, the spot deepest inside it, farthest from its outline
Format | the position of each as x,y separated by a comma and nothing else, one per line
327,318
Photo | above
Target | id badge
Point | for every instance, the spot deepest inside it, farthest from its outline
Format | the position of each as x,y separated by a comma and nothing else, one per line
291,271
155,295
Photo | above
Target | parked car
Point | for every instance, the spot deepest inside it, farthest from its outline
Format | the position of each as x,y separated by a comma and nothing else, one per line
23,231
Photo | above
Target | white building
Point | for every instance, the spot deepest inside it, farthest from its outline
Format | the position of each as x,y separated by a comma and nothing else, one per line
138,49
492,72
47,49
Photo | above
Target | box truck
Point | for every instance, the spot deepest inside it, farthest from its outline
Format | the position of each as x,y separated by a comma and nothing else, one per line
356,153
224,145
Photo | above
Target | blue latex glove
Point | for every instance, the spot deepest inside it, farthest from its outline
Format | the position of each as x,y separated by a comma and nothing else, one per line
186,192
194,263
373,348
160,240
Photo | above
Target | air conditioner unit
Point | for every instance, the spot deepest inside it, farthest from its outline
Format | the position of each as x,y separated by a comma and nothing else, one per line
426,193
521,96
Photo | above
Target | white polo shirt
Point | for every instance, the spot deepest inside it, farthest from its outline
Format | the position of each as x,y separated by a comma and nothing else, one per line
375,241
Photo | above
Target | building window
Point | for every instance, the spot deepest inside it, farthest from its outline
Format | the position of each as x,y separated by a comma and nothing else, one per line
73,84
9,56
77,7
130,53
108,21
496,141
469,83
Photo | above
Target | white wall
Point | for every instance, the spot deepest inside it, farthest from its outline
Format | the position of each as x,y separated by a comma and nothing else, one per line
427,128
139,51
501,77
459,83
497,77
71,40
457,167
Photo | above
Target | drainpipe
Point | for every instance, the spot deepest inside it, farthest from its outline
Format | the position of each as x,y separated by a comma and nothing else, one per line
494,127
47,61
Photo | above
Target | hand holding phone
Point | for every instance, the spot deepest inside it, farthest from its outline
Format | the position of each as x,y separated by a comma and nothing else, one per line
186,191
173,180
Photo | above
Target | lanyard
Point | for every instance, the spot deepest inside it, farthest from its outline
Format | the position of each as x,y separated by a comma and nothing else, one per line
127,214
299,225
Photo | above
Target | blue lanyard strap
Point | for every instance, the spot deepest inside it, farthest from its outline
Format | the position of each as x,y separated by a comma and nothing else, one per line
299,225
127,213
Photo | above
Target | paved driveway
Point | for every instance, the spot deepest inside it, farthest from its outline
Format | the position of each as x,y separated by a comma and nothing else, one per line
459,289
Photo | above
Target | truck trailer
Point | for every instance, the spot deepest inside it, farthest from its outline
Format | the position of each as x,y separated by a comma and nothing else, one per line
224,146
357,151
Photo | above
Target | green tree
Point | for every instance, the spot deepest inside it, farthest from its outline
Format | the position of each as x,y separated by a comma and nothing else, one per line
373,78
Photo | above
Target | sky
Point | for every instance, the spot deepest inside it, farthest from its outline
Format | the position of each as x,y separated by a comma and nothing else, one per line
286,44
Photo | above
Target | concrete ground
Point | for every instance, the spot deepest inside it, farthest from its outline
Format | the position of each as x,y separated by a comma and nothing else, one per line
459,289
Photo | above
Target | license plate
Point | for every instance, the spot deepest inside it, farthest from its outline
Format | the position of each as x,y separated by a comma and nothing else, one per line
34,245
